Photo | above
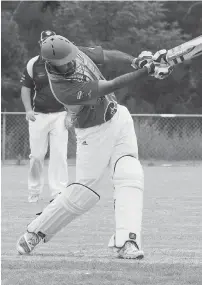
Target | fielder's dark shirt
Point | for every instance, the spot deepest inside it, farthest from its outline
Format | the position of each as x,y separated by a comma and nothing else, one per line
35,78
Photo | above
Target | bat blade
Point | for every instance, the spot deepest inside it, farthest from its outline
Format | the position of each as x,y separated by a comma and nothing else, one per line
185,51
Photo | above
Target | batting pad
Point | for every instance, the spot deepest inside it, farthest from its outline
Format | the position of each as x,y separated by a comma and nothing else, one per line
129,185
71,203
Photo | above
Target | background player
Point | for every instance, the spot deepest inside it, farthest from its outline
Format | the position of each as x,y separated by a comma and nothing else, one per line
46,118
105,138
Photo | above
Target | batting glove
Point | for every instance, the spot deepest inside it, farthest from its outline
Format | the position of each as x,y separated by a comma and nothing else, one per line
160,56
159,71
143,58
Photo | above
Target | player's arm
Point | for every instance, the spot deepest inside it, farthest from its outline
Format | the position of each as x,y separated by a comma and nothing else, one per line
153,69
102,56
26,98
27,85
87,93
106,87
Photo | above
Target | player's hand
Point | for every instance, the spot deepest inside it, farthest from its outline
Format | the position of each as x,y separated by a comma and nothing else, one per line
159,70
147,56
143,58
162,71
160,56
30,115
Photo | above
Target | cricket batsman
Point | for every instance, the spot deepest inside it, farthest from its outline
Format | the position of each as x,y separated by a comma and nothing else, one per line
105,139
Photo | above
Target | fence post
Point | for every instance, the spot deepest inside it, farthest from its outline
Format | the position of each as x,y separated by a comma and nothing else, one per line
4,139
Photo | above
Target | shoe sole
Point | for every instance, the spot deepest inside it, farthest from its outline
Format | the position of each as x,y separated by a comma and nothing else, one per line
139,257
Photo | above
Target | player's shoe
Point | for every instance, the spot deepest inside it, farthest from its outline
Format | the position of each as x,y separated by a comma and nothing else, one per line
27,243
33,198
130,250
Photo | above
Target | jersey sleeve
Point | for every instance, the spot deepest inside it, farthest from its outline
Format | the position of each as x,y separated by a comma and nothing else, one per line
26,80
27,76
96,53
77,93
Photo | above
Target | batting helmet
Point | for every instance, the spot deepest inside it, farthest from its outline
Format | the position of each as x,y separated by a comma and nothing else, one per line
58,50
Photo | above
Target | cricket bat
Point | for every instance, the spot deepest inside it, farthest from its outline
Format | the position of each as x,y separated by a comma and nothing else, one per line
178,54
185,51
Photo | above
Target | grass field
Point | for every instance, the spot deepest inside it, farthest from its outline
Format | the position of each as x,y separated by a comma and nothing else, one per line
172,235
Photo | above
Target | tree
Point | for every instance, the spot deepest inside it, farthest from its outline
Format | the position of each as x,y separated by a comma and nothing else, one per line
13,57
127,26
188,14
32,18
22,23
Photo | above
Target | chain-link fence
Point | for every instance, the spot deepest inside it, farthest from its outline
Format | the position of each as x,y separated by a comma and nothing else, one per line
15,139
160,137
169,137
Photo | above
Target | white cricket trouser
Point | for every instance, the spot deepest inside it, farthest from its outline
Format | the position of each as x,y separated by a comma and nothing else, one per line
101,146
114,145
111,144
48,129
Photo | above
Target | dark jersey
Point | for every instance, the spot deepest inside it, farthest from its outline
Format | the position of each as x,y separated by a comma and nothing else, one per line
35,78
78,92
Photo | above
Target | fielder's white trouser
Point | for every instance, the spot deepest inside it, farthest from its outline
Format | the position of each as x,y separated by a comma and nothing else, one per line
111,144
48,129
